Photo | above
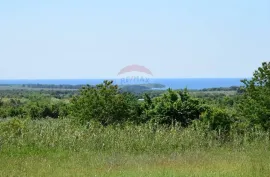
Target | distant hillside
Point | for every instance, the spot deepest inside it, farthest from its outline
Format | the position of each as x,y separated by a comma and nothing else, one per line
140,87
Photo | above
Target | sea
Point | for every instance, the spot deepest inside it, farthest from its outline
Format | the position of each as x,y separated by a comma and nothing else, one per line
173,83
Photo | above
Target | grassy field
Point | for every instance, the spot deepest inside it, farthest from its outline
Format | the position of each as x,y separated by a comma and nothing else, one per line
194,163
61,148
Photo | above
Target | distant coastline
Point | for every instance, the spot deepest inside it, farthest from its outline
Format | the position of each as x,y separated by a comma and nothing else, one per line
174,83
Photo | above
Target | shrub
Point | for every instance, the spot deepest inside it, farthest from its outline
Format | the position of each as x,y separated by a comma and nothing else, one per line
12,127
217,119
172,107
103,103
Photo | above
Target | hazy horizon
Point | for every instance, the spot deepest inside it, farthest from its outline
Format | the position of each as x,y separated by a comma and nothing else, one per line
174,83
126,77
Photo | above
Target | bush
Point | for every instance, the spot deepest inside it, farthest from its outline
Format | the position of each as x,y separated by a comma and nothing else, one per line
46,109
103,103
12,127
172,107
218,119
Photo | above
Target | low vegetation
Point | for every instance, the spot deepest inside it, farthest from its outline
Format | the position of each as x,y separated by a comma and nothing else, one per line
104,131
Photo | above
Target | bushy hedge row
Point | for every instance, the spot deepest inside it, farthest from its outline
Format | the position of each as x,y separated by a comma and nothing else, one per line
107,104
34,108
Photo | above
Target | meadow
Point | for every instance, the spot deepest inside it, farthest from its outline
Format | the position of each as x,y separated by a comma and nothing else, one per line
101,130
60,147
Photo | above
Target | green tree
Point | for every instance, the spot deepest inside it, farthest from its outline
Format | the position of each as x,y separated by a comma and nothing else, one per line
103,103
255,105
172,107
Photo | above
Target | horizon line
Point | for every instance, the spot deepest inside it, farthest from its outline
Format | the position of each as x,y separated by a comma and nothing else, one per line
121,78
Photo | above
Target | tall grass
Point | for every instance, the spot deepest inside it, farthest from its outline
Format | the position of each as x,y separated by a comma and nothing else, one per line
64,134
62,148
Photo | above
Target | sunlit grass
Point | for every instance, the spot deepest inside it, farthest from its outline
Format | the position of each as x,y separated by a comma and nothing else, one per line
211,163
61,148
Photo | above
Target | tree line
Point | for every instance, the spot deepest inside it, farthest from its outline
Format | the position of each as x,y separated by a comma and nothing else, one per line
108,104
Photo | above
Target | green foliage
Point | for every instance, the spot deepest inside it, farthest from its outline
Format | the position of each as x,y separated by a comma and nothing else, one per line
11,128
63,134
138,89
1,102
255,105
36,107
106,103
218,119
103,104
172,107
60,148
38,110
165,122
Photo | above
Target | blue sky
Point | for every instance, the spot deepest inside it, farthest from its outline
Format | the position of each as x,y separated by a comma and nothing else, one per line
64,39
